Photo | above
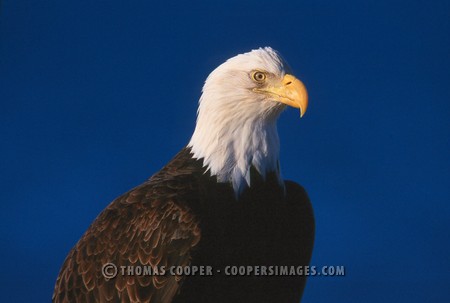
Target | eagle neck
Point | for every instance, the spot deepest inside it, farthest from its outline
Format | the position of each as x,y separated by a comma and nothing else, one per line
229,149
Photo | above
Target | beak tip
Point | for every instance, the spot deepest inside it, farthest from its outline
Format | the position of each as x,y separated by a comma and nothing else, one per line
302,113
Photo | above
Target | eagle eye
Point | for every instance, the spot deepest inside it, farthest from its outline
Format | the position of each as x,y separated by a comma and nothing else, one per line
259,76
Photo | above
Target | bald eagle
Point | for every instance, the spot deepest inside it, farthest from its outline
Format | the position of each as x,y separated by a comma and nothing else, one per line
219,204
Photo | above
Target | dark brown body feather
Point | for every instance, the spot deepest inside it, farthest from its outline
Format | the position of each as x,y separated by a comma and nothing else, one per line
182,216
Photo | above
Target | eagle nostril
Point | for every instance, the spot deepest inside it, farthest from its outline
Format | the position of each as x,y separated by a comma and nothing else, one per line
289,83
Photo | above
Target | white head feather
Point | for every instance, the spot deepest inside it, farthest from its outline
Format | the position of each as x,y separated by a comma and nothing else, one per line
236,127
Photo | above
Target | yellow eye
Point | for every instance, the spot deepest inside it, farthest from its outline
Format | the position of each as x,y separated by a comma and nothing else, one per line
259,76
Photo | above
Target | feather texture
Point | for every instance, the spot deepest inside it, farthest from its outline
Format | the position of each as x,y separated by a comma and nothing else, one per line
182,216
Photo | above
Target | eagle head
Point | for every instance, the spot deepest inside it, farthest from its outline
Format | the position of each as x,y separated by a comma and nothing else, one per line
236,120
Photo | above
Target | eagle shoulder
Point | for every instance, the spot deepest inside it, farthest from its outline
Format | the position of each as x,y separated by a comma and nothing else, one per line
148,226
298,198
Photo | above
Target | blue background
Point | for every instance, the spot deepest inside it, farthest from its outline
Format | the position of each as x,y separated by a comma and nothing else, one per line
98,95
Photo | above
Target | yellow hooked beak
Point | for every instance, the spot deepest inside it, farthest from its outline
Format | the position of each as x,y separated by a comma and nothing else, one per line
290,91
